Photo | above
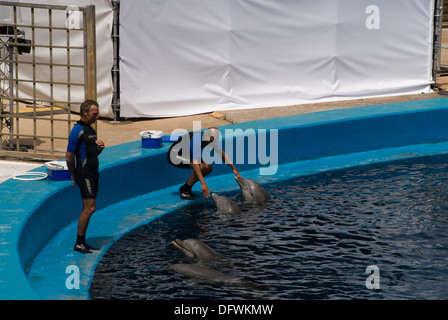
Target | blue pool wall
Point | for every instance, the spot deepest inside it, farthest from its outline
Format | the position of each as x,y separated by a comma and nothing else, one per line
33,212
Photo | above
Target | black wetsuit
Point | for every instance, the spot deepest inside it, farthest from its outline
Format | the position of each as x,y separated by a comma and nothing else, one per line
82,143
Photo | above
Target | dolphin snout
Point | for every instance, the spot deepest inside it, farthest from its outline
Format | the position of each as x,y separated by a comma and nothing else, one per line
239,180
179,244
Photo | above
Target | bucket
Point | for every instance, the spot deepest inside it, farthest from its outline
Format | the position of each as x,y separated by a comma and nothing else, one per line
57,170
151,139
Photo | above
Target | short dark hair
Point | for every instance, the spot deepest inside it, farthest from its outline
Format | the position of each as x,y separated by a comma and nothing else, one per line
85,106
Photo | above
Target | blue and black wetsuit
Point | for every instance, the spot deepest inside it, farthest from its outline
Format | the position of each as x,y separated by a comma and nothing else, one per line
82,143
181,154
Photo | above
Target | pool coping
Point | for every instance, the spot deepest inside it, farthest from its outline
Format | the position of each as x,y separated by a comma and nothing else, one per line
21,199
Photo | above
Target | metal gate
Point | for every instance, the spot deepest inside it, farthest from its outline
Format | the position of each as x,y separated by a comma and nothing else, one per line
43,78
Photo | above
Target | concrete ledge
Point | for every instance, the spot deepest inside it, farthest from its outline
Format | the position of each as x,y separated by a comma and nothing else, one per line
38,218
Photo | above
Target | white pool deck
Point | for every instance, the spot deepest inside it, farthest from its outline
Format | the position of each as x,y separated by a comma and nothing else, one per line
11,168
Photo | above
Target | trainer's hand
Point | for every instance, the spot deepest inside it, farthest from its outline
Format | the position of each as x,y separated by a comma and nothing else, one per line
205,190
73,179
100,144
236,173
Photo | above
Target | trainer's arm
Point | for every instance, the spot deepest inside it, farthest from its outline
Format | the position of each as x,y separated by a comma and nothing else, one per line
70,159
198,172
227,161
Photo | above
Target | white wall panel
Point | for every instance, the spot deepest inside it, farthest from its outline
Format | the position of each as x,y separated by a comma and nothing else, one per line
182,57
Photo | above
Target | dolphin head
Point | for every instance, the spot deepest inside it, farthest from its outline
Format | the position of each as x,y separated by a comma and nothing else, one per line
194,248
251,190
179,244
215,197
225,204
244,185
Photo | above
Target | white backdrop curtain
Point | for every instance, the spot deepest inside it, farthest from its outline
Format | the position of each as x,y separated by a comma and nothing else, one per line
183,57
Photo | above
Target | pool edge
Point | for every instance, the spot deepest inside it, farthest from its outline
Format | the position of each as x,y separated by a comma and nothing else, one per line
14,283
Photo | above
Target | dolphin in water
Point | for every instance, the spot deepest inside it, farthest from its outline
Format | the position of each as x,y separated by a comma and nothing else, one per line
225,204
194,248
201,272
251,190
198,271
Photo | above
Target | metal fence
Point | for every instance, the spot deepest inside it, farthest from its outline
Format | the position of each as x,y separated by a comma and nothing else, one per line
437,37
47,68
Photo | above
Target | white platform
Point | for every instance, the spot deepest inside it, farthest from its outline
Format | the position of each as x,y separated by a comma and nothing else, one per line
10,168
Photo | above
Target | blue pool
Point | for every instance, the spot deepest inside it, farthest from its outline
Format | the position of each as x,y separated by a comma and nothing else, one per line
313,239
38,219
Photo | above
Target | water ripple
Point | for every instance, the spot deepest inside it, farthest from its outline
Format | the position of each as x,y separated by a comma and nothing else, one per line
312,240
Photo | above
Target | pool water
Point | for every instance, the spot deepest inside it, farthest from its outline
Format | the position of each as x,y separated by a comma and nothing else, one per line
313,239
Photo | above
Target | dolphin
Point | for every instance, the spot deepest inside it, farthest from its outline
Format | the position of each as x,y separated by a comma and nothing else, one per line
225,204
198,271
194,248
201,272
251,190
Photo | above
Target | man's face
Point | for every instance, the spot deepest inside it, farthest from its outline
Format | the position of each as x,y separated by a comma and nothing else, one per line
93,114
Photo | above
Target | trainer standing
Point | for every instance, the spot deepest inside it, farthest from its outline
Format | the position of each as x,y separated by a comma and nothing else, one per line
82,161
